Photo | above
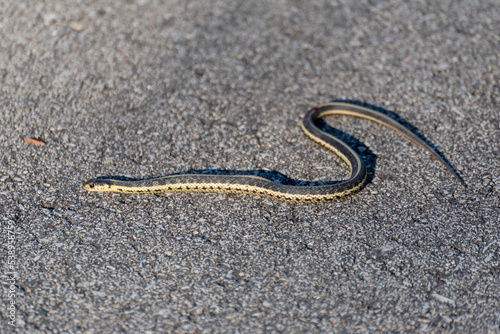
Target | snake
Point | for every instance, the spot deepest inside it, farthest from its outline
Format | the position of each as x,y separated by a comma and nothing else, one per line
266,187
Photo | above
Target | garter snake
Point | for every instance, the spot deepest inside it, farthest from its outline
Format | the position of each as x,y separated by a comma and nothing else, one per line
254,184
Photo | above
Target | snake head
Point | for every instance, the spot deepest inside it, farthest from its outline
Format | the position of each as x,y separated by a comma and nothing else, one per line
97,185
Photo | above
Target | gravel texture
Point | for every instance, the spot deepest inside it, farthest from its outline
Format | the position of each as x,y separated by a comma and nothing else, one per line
147,88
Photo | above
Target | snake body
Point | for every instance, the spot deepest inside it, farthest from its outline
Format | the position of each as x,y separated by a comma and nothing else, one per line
257,185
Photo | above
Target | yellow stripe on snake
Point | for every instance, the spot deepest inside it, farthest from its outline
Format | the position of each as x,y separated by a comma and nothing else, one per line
257,185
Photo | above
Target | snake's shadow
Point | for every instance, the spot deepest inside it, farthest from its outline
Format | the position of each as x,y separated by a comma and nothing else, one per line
366,154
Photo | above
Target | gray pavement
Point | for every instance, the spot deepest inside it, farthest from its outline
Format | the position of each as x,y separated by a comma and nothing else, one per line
141,88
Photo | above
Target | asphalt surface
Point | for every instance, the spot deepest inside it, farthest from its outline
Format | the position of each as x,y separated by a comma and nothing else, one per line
139,89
